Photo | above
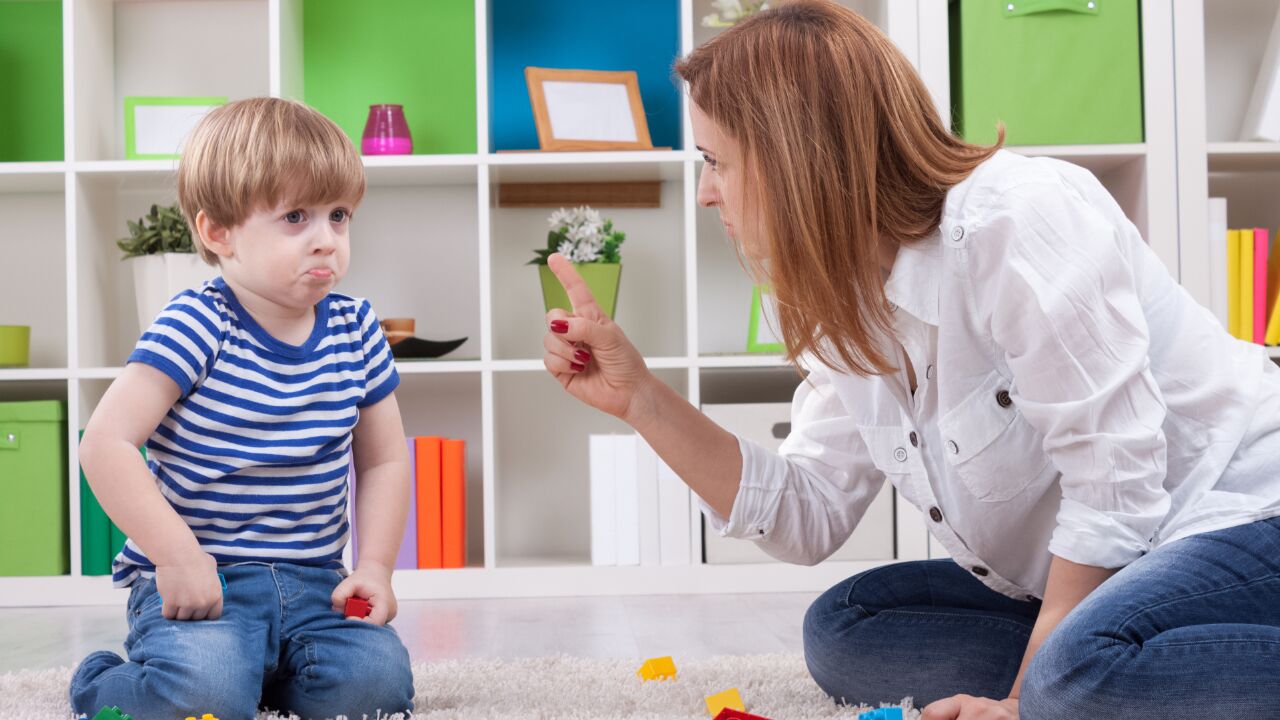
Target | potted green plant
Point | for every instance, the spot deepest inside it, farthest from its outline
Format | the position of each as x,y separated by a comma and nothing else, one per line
592,245
163,258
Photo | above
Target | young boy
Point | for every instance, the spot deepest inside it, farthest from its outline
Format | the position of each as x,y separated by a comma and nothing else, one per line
251,394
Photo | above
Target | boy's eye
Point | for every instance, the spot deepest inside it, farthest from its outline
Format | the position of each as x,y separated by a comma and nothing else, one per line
339,216
294,217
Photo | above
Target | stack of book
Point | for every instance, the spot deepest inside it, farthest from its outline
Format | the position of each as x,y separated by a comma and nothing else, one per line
640,511
1245,278
435,535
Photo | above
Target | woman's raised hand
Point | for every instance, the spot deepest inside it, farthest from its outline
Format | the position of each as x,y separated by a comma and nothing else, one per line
588,352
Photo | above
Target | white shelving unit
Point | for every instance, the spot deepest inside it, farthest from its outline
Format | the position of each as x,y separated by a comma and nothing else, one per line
429,242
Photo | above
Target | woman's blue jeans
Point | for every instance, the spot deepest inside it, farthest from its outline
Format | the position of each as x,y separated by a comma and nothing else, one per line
279,642
1190,630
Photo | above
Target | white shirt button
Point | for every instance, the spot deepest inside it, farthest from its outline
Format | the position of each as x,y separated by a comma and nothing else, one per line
951,445
957,233
900,454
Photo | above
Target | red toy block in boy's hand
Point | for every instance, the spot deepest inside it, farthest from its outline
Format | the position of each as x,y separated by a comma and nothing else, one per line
731,714
357,607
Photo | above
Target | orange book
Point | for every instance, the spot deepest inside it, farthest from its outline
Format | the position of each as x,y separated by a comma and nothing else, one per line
427,477
454,502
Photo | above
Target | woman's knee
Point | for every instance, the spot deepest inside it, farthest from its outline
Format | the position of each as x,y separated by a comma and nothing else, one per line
1061,680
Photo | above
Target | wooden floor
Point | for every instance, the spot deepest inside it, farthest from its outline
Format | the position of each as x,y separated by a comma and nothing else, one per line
637,627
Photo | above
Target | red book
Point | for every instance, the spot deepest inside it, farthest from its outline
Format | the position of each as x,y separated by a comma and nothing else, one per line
453,477
427,477
1261,248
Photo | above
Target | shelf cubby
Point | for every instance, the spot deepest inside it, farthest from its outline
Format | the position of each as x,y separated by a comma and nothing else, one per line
542,478
341,56
567,34
33,276
188,48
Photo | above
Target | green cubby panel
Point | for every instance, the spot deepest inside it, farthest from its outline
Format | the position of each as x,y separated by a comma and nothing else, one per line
31,79
421,55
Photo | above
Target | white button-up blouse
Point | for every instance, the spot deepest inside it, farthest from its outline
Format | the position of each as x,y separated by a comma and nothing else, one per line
1072,398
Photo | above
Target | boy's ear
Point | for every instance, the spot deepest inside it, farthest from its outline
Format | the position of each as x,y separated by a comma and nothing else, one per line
213,236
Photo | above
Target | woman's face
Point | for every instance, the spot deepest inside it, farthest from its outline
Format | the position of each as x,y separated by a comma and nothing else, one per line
721,184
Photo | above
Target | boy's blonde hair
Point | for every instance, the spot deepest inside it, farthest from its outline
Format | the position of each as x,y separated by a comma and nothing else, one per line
256,154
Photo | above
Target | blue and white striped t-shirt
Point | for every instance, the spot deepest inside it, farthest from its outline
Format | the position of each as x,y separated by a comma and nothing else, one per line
254,455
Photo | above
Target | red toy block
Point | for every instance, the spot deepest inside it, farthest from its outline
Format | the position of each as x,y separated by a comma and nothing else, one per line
731,714
357,607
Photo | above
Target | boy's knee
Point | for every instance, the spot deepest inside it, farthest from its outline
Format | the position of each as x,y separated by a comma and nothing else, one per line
164,687
375,678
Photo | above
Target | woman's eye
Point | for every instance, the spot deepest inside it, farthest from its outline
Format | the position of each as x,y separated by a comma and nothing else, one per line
338,216
294,217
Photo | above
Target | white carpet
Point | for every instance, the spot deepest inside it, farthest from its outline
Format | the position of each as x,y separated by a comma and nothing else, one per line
774,686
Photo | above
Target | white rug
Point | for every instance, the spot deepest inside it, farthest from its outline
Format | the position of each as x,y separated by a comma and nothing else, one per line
774,686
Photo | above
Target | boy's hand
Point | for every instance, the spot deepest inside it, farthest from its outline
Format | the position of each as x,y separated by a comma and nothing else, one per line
373,583
189,589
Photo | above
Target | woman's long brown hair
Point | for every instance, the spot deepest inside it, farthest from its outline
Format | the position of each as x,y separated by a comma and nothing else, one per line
844,152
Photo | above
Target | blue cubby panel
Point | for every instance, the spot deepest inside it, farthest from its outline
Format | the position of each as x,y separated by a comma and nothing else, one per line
581,35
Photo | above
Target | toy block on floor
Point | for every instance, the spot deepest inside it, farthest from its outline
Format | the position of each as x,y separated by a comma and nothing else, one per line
727,699
882,714
111,713
357,607
206,716
731,714
662,668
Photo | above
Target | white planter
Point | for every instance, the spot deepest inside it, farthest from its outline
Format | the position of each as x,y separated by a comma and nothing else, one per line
157,278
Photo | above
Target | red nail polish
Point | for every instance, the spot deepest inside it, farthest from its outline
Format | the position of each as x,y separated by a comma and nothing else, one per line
577,367
583,356
560,326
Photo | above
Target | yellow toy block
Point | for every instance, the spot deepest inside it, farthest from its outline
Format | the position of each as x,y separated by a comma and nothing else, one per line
663,668
206,716
727,699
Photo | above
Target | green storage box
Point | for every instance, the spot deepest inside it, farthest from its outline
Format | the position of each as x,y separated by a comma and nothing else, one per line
33,488
1056,72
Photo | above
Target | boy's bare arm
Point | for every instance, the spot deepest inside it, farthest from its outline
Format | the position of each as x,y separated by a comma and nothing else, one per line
382,506
130,411
382,487
186,576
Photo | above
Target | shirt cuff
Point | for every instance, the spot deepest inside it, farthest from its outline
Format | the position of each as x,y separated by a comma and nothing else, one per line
1091,537
764,476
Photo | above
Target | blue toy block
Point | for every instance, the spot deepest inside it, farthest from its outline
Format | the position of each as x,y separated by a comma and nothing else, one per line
882,714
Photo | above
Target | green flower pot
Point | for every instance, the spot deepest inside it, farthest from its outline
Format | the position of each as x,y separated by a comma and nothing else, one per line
15,345
601,278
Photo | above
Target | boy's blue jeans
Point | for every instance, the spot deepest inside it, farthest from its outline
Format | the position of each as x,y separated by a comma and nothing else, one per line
279,642
1190,630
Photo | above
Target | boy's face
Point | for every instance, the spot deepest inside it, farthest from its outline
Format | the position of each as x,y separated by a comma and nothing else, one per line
290,255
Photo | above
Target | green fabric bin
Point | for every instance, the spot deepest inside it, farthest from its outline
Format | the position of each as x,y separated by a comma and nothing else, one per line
33,488
1056,72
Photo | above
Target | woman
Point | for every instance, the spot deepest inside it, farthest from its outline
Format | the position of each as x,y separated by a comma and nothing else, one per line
990,334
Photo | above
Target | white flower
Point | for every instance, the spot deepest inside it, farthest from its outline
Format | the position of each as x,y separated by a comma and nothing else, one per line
558,218
583,230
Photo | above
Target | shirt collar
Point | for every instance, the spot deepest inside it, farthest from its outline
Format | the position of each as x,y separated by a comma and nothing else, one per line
913,282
